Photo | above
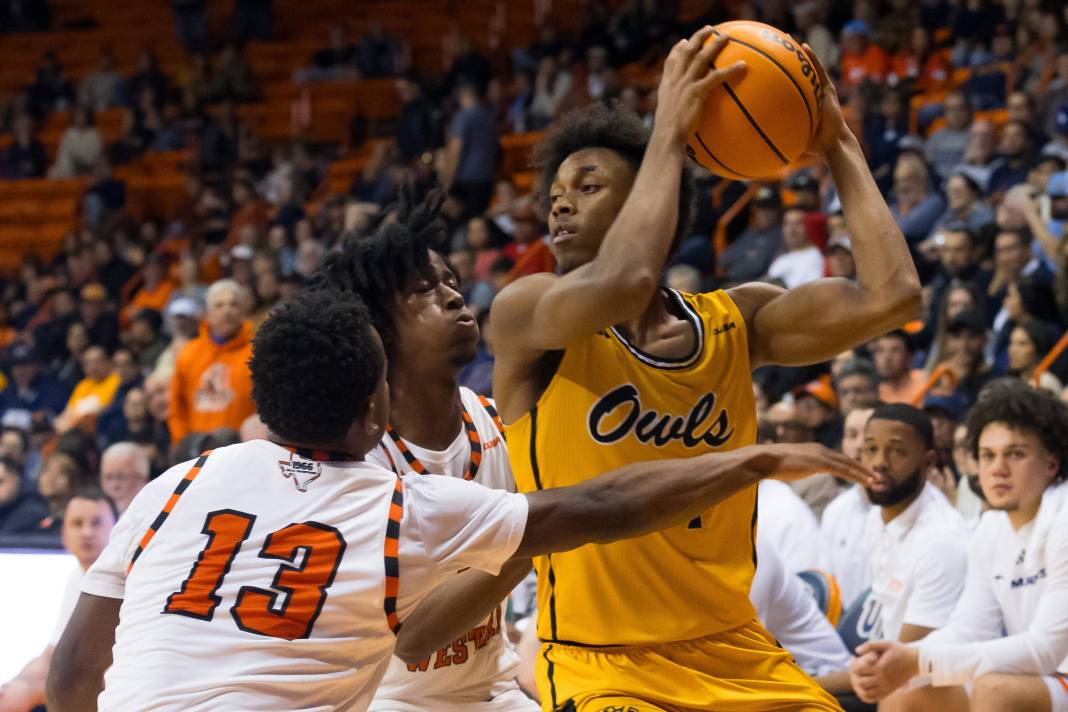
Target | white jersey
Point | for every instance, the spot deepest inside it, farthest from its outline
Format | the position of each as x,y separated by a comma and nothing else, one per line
791,615
918,563
481,665
789,525
844,554
264,578
1013,615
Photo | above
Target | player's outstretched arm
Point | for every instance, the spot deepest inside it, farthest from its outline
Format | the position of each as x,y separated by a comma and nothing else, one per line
455,608
545,312
819,320
83,655
649,496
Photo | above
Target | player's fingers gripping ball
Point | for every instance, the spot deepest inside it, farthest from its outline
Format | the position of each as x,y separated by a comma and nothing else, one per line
761,121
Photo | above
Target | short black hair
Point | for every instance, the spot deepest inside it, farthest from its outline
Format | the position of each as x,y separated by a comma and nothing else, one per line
909,415
857,367
315,363
94,493
378,267
1017,406
615,128
905,337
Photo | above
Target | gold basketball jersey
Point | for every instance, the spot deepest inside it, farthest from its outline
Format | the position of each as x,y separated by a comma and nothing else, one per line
608,405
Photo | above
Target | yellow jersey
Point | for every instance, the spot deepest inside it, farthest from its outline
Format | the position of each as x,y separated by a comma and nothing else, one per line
609,404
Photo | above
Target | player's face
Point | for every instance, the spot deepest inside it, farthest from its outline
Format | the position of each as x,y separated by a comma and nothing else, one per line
1014,468
585,197
87,525
431,318
895,453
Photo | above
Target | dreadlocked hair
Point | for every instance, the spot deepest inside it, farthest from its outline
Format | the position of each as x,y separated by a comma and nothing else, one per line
606,126
380,266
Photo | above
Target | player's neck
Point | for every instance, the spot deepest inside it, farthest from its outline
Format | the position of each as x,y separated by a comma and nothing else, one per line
643,328
425,409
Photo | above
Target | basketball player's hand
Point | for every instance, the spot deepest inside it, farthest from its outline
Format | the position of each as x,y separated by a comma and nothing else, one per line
832,125
687,78
882,666
798,461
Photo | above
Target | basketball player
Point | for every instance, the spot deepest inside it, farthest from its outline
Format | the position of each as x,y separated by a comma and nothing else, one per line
435,426
274,574
599,367
1006,642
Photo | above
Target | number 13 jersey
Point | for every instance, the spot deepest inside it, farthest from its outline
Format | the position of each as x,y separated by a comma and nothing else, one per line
265,578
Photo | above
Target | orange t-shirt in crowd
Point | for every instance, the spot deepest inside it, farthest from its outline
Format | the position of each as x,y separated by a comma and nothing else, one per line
530,259
149,299
212,386
889,393
872,64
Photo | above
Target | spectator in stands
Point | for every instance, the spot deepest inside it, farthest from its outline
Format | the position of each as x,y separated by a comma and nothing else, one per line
1028,343
377,53
98,319
155,291
1058,144
517,115
93,393
1006,637
817,408
15,445
267,296
857,386
1026,300
21,508
191,23
336,61
189,284
551,84
29,389
915,206
60,478
810,29
144,338
147,75
1056,93
1013,259
945,147
112,270
220,140
88,519
100,90
840,261
50,91
80,148
25,157
917,542
750,255
861,59
471,151
419,125
1022,107
212,387
1014,161
882,133
892,354
183,315
124,471
801,261
965,344
232,79
965,205
979,157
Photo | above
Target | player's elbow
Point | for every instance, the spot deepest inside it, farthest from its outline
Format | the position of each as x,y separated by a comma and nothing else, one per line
906,300
413,652
630,290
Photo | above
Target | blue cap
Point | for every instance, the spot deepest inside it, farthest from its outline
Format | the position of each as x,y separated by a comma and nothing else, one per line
953,406
1057,186
856,27
1060,120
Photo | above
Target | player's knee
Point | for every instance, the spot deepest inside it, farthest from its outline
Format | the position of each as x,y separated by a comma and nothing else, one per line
994,693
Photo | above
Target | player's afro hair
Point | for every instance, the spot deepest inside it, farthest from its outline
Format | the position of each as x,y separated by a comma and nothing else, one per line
613,127
380,266
315,363
1017,406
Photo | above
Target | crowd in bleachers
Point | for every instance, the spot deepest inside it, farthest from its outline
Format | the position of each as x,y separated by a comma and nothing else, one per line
136,329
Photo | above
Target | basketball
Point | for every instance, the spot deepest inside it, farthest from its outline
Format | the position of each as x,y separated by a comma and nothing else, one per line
759,123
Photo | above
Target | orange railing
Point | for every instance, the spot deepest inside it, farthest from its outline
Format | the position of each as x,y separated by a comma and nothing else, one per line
1047,361
937,375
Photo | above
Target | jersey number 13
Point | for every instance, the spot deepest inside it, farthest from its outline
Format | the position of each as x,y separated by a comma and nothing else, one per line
255,611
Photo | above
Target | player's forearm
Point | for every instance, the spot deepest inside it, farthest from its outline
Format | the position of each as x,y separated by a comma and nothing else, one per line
635,247
835,682
637,499
455,608
886,274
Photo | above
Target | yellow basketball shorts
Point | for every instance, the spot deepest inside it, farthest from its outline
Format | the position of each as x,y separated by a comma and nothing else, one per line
739,670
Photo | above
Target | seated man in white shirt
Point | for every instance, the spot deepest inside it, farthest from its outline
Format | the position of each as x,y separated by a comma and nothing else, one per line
917,542
801,262
1007,638
842,550
87,523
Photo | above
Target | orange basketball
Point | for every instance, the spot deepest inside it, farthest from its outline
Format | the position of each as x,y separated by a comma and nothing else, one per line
755,125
